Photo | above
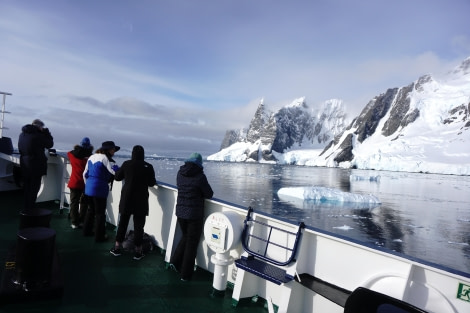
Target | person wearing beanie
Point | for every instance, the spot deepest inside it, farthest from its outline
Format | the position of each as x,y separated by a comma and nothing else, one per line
34,139
193,189
85,143
98,174
195,158
78,158
138,176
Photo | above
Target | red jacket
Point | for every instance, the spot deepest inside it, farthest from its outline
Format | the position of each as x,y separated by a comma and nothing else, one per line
78,159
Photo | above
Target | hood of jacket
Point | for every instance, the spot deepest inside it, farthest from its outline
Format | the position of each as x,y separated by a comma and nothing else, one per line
81,153
138,153
30,129
190,169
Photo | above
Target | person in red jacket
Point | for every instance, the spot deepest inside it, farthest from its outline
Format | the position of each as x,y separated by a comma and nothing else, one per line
78,158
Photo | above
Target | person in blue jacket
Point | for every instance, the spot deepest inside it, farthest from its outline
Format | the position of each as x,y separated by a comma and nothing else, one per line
193,189
98,174
32,142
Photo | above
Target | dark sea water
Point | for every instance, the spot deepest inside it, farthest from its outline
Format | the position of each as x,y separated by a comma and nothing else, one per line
421,215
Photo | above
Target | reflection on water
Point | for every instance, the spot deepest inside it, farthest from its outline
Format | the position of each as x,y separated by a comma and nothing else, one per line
422,215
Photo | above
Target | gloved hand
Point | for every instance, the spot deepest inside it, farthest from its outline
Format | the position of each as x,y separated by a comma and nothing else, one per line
115,167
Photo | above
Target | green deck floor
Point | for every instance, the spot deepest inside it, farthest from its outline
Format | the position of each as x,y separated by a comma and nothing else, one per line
96,281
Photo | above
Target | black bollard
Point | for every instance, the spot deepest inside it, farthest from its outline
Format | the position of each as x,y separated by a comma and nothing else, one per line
34,257
35,218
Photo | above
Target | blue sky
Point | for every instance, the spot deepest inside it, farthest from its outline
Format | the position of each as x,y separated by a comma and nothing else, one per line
174,75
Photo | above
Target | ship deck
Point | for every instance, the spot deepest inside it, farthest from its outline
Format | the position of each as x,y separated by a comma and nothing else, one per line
95,281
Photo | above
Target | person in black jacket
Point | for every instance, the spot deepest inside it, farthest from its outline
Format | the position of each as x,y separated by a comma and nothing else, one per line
193,189
138,175
32,142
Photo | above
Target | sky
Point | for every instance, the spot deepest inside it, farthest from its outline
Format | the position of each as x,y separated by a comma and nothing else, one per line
173,76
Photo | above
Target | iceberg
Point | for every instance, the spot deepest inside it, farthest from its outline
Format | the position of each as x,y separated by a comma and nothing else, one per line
325,194
344,227
365,178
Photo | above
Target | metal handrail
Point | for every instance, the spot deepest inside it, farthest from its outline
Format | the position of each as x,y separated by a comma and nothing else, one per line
246,236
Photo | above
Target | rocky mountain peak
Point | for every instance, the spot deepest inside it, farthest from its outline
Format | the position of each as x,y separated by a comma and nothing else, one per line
294,126
428,101
463,68
407,121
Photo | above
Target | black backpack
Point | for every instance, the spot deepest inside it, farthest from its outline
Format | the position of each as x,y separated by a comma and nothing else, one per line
147,242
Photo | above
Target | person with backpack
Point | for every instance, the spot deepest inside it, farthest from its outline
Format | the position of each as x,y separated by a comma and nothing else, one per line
137,176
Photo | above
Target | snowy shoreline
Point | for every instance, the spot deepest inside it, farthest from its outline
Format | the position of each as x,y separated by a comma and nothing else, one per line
394,162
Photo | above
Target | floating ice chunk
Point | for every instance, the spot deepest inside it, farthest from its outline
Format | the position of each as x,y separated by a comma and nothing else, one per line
297,192
365,178
324,194
458,243
344,227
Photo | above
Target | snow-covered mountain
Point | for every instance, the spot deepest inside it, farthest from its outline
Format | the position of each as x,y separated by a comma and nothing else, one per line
422,127
295,126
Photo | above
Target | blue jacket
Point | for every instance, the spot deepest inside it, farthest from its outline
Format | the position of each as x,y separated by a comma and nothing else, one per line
97,175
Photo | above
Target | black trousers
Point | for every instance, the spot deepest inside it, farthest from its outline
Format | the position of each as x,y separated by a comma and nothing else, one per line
95,218
184,257
31,186
75,199
139,223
